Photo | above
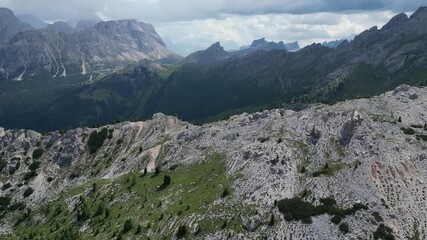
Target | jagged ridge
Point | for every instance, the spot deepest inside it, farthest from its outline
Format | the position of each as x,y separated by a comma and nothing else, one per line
357,151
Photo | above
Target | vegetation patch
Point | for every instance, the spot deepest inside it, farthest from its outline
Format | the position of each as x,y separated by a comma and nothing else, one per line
295,209
6,186
377,216
422,137
37,153
328,169
344,228
96,140
408,131
3,164
35,165
132,206
28,192
384,232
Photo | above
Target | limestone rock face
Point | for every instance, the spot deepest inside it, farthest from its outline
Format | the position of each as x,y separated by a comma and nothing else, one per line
371,161
60,50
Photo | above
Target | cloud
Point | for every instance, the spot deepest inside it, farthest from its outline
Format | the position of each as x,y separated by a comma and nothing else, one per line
237,30
186,10
191,25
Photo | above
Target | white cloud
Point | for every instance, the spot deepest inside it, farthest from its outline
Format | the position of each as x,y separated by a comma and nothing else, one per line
186,10
237,30
195,24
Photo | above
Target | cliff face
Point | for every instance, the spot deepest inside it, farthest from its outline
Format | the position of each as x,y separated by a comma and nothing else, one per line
10,25
368,155
60,50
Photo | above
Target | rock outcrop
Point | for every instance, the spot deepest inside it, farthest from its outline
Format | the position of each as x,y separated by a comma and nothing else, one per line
10,25
361,156
60,50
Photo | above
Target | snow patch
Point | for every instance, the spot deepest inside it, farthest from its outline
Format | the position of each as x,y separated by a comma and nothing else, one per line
64,73
83,67
20,77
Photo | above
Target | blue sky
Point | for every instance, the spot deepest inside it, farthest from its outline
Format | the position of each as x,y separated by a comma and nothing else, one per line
189,25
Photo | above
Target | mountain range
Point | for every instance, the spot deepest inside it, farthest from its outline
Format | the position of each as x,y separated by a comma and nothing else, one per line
107,134
58,50
206,85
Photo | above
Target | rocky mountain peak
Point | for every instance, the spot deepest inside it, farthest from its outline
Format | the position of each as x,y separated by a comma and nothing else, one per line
5,12
85,24
10,25
60,26
258,42
32,20
125,23
105,45
420,13
396,21
216,47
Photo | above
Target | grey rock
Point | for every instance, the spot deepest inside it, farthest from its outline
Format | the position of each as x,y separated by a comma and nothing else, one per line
60,50
382,172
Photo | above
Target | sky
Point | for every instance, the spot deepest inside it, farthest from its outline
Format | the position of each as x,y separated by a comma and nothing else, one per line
190,25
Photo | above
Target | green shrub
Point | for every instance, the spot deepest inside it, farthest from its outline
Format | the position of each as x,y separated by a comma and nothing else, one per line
144,173
29,175
359,206
296,208
344,228
5,201
272,221
127,226
166,182
408,131
138,230
110,133
384,232
225,193
336,219
96,140
34,166
307,220
157,171
182,232
274,161
3,164
28,192
422,137
73,176
224,225
416,126
100,210
37,153
377,216
6,186
18,165
328,201
83,213
17,206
